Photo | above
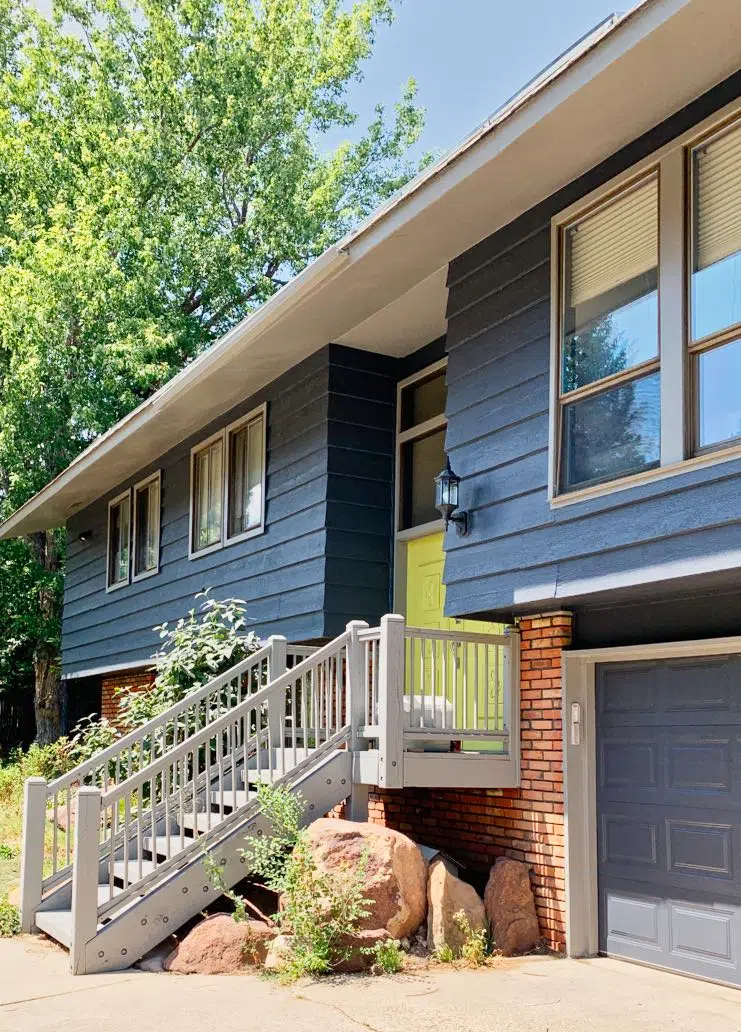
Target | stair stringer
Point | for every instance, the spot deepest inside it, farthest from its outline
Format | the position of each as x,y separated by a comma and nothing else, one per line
185,891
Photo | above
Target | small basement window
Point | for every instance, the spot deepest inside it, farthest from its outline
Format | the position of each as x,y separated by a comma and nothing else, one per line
119,531
147,527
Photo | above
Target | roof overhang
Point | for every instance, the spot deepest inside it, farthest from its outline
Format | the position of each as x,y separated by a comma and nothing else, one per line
382,288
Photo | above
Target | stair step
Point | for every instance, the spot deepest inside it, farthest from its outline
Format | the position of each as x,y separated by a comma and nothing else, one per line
160,844
199,822
279,756
120,870
57,924
232,800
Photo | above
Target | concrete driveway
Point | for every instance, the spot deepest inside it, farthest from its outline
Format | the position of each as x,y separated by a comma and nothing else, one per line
538,994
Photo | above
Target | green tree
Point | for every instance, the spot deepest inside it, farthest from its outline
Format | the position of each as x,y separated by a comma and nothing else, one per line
162,172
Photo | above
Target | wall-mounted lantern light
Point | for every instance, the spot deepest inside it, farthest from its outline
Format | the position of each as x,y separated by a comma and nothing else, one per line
446,500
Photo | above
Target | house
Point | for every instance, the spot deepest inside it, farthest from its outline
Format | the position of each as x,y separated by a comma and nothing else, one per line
554,306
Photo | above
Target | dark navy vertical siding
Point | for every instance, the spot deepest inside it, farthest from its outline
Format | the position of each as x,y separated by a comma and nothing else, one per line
521,552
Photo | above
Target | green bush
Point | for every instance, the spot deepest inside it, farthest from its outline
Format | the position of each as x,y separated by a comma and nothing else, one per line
318,911
10,920
388,956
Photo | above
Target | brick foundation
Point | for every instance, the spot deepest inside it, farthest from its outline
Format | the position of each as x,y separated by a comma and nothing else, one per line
525,823
133,680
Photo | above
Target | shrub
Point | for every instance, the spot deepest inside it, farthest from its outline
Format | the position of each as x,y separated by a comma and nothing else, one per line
10,920
474,949
318,911
7,852
388,956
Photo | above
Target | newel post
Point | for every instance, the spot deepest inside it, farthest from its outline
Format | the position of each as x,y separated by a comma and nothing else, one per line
511,695
390,706
85,867
278,666
357,705
32,855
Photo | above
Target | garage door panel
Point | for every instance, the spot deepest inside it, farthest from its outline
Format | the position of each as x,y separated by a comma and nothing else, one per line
669,814
687,692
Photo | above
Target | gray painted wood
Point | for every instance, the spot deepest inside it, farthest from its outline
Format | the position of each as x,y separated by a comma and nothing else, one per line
521,553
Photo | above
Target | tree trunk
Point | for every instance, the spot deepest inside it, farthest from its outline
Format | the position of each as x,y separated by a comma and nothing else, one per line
48,693
47,698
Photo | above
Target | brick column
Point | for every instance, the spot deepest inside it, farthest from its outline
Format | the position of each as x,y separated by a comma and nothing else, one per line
538,805
525,823
123,680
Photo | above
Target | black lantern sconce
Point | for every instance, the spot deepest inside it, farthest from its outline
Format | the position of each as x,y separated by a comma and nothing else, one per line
446,500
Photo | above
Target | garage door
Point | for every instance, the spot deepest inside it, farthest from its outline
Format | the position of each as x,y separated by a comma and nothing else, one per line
669,813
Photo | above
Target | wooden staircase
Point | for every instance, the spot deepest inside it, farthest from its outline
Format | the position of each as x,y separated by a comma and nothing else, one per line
372,707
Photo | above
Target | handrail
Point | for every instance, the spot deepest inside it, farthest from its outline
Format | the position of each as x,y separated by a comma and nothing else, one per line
155,767
111,752
433,634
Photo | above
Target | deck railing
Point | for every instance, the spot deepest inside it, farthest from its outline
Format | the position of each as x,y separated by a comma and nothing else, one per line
164,733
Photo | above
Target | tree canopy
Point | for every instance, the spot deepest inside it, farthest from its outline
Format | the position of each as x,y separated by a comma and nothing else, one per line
162,172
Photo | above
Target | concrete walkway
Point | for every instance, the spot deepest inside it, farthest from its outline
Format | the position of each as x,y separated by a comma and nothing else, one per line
538,994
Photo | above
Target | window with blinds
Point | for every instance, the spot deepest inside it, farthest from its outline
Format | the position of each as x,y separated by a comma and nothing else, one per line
609,398
716,234
245,489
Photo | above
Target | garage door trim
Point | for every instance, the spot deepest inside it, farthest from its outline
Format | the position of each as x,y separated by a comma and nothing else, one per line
580,773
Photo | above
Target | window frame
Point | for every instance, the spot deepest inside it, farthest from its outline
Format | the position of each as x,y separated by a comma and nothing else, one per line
224,435
194,452
112,504
679,444
257,413
606,383
156,476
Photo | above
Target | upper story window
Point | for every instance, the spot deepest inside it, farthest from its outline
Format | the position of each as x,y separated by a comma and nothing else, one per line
609,355
246,476
228,485
716,286
147,527
119,535
647,318
207,476
421,445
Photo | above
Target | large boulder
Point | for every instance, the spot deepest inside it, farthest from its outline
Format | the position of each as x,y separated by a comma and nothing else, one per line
395,870
446,897
510,907
219,945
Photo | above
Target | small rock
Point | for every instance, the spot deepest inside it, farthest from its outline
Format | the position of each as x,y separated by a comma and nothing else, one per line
510,907
154,961
447,896
219,945
406,944
395,872
279,953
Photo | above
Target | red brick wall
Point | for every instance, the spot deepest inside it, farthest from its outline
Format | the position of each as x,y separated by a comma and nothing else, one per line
134,680
525,823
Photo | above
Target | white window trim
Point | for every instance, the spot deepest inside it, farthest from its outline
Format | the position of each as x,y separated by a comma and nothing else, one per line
401,537
122,583
260,411
206,443
672,162
223,435
134,526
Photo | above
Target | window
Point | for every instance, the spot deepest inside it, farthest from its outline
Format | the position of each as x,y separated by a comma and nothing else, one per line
245,478
228,485
208,495
421,445
147,527
715,288
119,532
609,410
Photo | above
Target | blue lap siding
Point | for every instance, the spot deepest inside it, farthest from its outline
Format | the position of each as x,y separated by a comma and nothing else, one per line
522,554
325,555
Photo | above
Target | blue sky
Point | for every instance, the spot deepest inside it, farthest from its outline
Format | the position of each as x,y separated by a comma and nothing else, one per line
468,56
